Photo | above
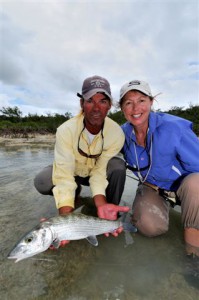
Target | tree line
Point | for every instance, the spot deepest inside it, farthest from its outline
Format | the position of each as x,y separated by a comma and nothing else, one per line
13,124
191,113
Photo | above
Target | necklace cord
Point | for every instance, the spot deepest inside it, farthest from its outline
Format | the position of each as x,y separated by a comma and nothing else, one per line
141,178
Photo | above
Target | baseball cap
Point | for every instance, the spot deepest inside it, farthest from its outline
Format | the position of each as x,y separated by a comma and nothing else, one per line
93,85
137,85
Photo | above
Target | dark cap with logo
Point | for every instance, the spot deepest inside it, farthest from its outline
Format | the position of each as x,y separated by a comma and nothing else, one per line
93,85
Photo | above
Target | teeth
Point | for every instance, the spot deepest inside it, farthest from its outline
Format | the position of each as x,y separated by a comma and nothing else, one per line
136,116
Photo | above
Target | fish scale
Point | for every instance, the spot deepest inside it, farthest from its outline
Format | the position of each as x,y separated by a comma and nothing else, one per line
80,226
72,226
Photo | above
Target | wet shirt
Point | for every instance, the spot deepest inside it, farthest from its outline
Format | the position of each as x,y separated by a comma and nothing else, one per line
68,162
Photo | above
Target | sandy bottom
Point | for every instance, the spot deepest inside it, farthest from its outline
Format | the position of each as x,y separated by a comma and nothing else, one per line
123,268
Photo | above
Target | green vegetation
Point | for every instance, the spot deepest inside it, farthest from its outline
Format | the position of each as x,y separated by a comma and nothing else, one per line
191,113
12,123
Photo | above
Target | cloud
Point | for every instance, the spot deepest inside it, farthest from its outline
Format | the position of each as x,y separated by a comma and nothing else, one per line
12,69
50,47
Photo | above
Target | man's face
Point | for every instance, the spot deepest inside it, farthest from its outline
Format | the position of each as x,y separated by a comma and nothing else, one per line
95,110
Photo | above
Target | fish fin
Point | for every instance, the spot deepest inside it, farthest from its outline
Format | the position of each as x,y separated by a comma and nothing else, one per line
92,240
128,226
126,220
56,243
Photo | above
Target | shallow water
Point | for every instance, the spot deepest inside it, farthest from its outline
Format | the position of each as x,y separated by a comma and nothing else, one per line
123,268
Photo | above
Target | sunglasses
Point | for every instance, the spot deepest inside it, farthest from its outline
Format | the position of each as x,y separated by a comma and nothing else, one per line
84,153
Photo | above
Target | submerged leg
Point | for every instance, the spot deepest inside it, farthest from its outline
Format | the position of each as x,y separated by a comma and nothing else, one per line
188,194
150,212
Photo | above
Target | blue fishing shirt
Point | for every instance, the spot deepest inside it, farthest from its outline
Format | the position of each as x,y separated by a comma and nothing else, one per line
174,152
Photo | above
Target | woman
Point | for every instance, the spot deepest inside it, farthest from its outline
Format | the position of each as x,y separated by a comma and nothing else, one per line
163,152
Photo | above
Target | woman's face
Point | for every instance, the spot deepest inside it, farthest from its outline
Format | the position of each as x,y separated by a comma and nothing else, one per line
136,108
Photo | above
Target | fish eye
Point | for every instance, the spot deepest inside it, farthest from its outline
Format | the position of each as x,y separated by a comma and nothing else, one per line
29,239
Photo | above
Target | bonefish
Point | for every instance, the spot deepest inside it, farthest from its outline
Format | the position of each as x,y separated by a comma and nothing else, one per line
73,226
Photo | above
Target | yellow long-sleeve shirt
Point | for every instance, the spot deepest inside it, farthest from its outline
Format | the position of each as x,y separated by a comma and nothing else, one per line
68,162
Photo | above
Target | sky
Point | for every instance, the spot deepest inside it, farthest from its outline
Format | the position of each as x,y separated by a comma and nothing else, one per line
48,47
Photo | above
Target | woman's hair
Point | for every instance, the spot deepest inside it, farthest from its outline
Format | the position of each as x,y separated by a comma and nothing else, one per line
119,104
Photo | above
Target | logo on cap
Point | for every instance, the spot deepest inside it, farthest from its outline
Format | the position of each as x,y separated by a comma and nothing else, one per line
97,83
134,82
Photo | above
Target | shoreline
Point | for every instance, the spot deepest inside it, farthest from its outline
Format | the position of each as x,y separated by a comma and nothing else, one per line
34,140
44,140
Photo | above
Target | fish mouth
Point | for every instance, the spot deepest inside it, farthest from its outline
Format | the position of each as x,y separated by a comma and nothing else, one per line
17,258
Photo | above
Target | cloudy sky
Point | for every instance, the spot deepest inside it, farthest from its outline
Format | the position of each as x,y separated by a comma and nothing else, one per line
48,47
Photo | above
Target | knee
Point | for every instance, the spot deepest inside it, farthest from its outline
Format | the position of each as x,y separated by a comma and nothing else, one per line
40,187
43,181
188,192
151,223
191,182
151,229
116,165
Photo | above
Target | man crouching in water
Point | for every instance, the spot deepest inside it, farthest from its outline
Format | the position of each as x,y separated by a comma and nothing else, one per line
84,155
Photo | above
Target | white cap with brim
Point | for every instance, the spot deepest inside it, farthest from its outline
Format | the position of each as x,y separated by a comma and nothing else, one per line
137,85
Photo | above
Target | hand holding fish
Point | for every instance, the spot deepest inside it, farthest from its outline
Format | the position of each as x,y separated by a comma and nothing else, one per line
62,243
65,210
62,211
53,231
110,211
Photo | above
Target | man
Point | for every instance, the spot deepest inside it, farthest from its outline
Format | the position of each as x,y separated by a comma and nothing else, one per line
84,155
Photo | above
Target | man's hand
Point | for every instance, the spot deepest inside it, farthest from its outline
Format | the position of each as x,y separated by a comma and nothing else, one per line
65,210
110,211
62,211
62,244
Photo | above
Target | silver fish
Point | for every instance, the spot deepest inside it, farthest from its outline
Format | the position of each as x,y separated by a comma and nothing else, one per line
74,226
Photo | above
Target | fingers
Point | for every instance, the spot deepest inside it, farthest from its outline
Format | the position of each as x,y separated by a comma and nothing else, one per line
115,233
62,244
123,208
43,219
52,247
120,229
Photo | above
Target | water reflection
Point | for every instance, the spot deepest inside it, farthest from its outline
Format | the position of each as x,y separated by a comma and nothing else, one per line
146,269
